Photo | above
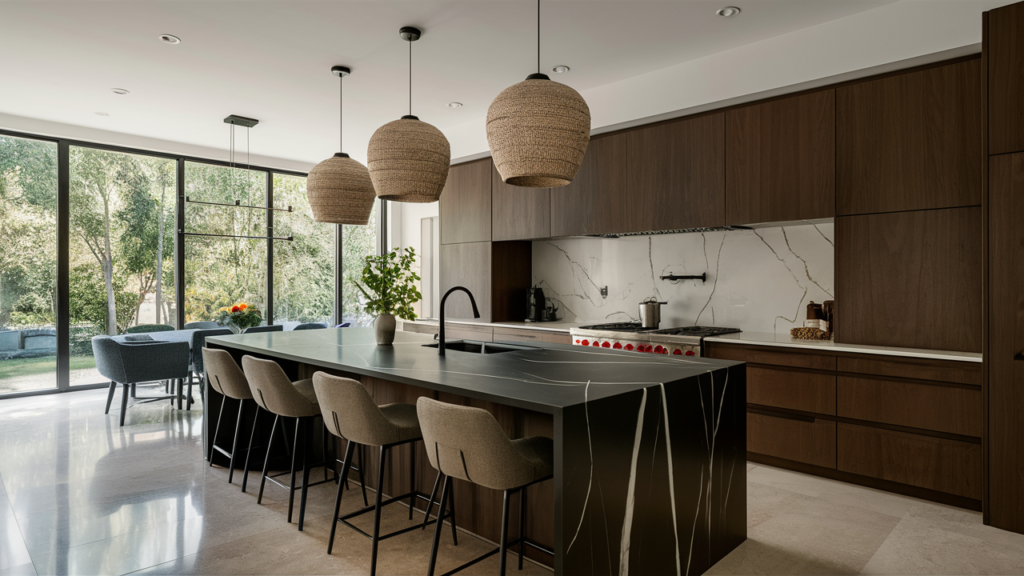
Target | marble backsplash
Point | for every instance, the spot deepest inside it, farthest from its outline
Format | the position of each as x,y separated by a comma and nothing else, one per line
758,280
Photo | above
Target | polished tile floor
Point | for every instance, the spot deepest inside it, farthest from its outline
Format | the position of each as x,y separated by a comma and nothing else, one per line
78,495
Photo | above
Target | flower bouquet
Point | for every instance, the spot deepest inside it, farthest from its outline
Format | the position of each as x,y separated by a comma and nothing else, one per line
239,317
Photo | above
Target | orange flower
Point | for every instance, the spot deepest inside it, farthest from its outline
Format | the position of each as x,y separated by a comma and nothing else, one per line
235,308
243,306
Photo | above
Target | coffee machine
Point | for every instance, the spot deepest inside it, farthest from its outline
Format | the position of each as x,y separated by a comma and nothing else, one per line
536,304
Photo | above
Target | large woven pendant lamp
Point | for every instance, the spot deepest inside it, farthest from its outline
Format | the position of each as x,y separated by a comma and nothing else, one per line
339,188
408,158
538,130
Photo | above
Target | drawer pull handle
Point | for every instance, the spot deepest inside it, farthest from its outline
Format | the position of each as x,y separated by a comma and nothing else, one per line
1018,356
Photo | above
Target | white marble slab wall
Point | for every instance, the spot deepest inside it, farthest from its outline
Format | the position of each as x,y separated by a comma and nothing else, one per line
758,280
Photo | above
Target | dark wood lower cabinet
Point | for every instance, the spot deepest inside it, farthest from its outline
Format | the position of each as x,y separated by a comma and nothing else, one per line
938,464
906,425
798,438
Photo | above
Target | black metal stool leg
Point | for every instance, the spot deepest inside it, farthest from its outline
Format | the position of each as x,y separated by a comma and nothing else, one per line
216,430
266,459
522,524
341,488
376,511
438,526
295,453
362,476
451,506
430,503
234,442
503,544
412,478
188,400
245,472
323,448
305,469
134,392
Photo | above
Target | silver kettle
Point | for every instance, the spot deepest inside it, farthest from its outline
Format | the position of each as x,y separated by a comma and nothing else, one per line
650,312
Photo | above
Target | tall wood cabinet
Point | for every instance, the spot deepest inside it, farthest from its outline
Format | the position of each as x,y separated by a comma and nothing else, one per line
465,204
1004,49
910,141
781,160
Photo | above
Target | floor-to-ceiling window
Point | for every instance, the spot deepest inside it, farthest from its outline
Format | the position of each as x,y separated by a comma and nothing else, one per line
225,239
147,252
121,249
28,264
304,266
357,243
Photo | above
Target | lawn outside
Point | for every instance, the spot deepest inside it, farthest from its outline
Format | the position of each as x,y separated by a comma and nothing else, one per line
24,374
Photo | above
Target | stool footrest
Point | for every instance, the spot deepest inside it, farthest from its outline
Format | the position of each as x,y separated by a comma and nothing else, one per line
417,526
508,545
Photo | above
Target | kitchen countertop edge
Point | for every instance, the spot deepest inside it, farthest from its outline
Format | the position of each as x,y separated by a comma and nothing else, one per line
781,341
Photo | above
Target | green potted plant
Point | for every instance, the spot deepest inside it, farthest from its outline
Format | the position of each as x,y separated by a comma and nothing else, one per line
388,283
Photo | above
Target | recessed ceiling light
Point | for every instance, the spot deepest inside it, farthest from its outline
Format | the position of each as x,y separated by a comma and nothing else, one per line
119,91
102,114
170,39
560,69
728,12
455,104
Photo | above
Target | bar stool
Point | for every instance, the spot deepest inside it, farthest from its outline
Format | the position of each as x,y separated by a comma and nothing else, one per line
277,394
228,379
349,412
469,444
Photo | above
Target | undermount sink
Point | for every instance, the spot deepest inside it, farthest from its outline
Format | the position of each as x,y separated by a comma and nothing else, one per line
477,347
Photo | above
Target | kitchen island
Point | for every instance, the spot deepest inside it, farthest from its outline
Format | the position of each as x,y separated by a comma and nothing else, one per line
650,452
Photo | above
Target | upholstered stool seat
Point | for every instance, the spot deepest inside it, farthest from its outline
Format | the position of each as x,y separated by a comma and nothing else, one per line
227,378
276,393
468,443
350,412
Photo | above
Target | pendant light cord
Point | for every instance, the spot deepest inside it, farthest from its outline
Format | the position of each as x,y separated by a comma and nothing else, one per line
410,77
341,112
538,36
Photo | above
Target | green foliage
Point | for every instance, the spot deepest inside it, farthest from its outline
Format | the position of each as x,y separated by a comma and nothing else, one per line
389,284
88,299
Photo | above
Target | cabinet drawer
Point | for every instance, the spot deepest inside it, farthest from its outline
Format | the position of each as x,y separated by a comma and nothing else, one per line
931,407
807,440
526,335
468,332
781,388
419,327
934,463
759,355
938,370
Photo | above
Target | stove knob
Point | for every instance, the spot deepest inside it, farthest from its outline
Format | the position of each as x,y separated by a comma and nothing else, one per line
658,349
617,346
606,345
596,343
689,353
577,341
677,352
629,347
585,342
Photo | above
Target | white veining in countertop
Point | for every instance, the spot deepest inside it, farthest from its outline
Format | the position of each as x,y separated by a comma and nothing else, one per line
785,341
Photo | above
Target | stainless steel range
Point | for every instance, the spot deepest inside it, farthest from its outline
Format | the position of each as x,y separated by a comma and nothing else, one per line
631,336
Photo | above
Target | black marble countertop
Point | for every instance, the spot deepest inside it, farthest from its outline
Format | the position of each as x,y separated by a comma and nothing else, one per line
541,377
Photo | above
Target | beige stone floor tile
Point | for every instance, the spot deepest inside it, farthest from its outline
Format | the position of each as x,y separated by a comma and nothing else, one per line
837,492
934,541
807,535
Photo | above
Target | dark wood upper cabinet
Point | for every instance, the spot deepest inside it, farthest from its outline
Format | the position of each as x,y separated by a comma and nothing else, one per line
910,141
497,273
1005,51
465,205
1006,341
665,176
781,160
519,213
910,279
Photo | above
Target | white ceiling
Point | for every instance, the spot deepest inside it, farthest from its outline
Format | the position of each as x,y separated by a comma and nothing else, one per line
271,60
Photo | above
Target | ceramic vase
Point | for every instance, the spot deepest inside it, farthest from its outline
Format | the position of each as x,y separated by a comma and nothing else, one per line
384,329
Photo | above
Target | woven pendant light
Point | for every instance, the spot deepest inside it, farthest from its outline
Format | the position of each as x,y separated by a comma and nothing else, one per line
538,130
339,188
408,158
